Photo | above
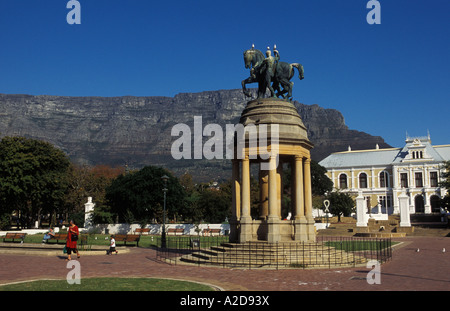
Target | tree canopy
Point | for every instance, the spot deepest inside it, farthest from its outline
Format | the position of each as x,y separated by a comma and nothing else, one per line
139,196
33,177
445,183
341,204
89,181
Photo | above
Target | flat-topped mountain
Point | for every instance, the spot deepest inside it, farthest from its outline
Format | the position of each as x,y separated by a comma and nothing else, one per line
136,131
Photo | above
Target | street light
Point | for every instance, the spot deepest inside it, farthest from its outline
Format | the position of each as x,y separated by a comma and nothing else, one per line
326,203
163,234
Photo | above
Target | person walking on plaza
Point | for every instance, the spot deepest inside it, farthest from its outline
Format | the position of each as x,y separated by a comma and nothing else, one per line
112,246
72,238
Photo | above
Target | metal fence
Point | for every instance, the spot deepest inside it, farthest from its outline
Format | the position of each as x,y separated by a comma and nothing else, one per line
326,252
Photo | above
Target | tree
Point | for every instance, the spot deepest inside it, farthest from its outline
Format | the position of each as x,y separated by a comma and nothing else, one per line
341,204
33,178
445,183
90,181
320,183
215,204
140,195
192,212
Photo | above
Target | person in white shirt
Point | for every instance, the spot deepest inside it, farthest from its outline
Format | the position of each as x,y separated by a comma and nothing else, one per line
112,246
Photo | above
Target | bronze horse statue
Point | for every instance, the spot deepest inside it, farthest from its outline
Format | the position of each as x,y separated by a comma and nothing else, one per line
254,60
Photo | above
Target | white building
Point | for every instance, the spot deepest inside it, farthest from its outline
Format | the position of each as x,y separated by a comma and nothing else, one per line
381,175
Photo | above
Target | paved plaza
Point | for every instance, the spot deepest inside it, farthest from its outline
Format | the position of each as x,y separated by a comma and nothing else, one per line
409,270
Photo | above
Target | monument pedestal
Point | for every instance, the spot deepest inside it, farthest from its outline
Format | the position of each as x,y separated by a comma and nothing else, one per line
246,230
273,230
311,229
300,230
405,219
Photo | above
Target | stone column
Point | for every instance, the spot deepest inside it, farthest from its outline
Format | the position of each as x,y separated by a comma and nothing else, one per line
246,220
245,188
308,189
236,202
264,193
273,230
279,188
298,189
300,232
273,196
308,200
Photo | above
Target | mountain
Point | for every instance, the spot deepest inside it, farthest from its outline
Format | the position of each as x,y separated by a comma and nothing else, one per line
136,131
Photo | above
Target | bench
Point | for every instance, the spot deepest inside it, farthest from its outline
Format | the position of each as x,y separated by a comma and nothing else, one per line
58,237
211,231
14,236
142,230
175,231
127,238
82,239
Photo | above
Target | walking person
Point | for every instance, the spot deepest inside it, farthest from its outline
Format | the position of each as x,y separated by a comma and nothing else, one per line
112,246
72,238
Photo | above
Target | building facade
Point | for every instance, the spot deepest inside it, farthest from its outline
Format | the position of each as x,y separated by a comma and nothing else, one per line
382,175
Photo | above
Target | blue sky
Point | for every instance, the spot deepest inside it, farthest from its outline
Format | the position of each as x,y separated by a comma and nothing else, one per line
386,79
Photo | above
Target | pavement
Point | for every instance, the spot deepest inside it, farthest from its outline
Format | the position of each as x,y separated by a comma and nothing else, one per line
418,264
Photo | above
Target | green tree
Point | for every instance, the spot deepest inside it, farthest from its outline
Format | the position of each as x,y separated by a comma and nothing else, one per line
341,204
215,205
320,183
90,181
445,183
191,212
141,195
33,178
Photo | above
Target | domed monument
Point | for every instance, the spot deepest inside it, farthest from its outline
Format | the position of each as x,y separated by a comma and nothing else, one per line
274,137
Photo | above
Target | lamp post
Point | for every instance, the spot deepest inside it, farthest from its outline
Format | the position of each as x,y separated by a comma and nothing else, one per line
163,234
326,203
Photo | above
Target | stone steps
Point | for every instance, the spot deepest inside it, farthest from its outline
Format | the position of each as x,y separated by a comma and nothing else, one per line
422,225
339,229
267,255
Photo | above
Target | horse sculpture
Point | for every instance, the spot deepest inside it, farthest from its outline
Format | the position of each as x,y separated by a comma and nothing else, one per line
254,60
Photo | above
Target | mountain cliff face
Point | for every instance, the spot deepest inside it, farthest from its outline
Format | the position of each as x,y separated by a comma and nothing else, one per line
136,131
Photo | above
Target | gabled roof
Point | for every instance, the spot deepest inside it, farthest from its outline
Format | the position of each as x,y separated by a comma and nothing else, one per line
444,151
419,144
391,156
375,157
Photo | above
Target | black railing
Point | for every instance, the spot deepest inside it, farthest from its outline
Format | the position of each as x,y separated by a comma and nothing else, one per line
326,252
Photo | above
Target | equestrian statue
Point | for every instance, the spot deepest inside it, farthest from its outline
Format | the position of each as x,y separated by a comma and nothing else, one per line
270,73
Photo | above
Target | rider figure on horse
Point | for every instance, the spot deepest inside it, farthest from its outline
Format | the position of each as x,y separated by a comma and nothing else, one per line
270,73
269,65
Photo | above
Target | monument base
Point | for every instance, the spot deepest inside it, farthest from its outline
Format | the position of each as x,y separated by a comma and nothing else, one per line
272,231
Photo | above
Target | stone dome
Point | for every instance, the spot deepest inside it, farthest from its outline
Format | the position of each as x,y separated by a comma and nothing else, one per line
277,111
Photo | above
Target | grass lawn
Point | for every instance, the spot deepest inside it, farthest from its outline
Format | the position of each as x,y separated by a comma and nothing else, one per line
362,245
145,241
109,284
